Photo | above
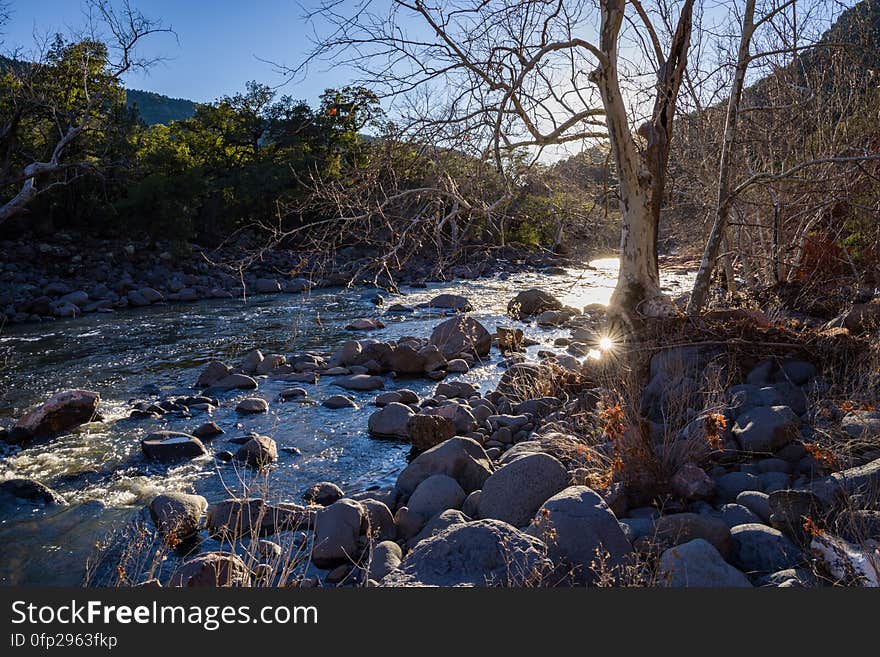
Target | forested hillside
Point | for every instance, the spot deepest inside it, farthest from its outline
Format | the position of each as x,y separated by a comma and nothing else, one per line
155,108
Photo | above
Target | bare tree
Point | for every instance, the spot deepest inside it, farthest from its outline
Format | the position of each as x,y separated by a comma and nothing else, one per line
124,30
487,78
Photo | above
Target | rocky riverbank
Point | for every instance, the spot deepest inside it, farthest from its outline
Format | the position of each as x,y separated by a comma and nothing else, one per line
561,475
70,274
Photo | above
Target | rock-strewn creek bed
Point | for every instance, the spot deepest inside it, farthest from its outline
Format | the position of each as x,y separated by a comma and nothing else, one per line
340,443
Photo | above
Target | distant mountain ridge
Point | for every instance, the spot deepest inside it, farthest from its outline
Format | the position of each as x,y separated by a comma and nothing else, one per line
153,108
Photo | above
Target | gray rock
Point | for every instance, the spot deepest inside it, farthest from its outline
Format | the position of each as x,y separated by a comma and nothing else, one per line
172,446
213,372
361,382
732,484
31,491
177,515
381,525
435,494
384,558
698,564
461,335
470,506
737,514
515,492
61,412
451,302
577,524
678,528
336,402
479,553
337,528
766,428
762,549
461,458
391,421
207,431
258,452
234,382
756,502
212,569
437,524
252,405
324,493
532,302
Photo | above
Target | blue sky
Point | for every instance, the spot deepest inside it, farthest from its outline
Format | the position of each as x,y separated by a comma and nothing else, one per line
217,48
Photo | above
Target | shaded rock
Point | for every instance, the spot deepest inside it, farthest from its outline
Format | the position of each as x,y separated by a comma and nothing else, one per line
440,522
461,335
381,524
510,339
323,493
362,382
391,421
252,405
733,483
213,372
479,553
515,492
691,482
385,557
737,514
337,528
698,564
207,431
31,491
212,569
451,302
234,382
678,528
427,431
258,452
435,494
461,458
532,302
336,402
292,393
61,412
576,524
766,428
177,515
172,446
759,548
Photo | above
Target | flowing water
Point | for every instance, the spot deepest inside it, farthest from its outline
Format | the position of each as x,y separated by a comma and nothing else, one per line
156,352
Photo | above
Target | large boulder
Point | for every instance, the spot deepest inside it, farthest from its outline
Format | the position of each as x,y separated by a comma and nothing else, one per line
337,528
480,553
28,490
172,446
390,421
766,428
461,335
523,381
177,515
698,564
532,302
515,492
212,569
62,412
435,494
258,452
461,458
577,526
759,548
